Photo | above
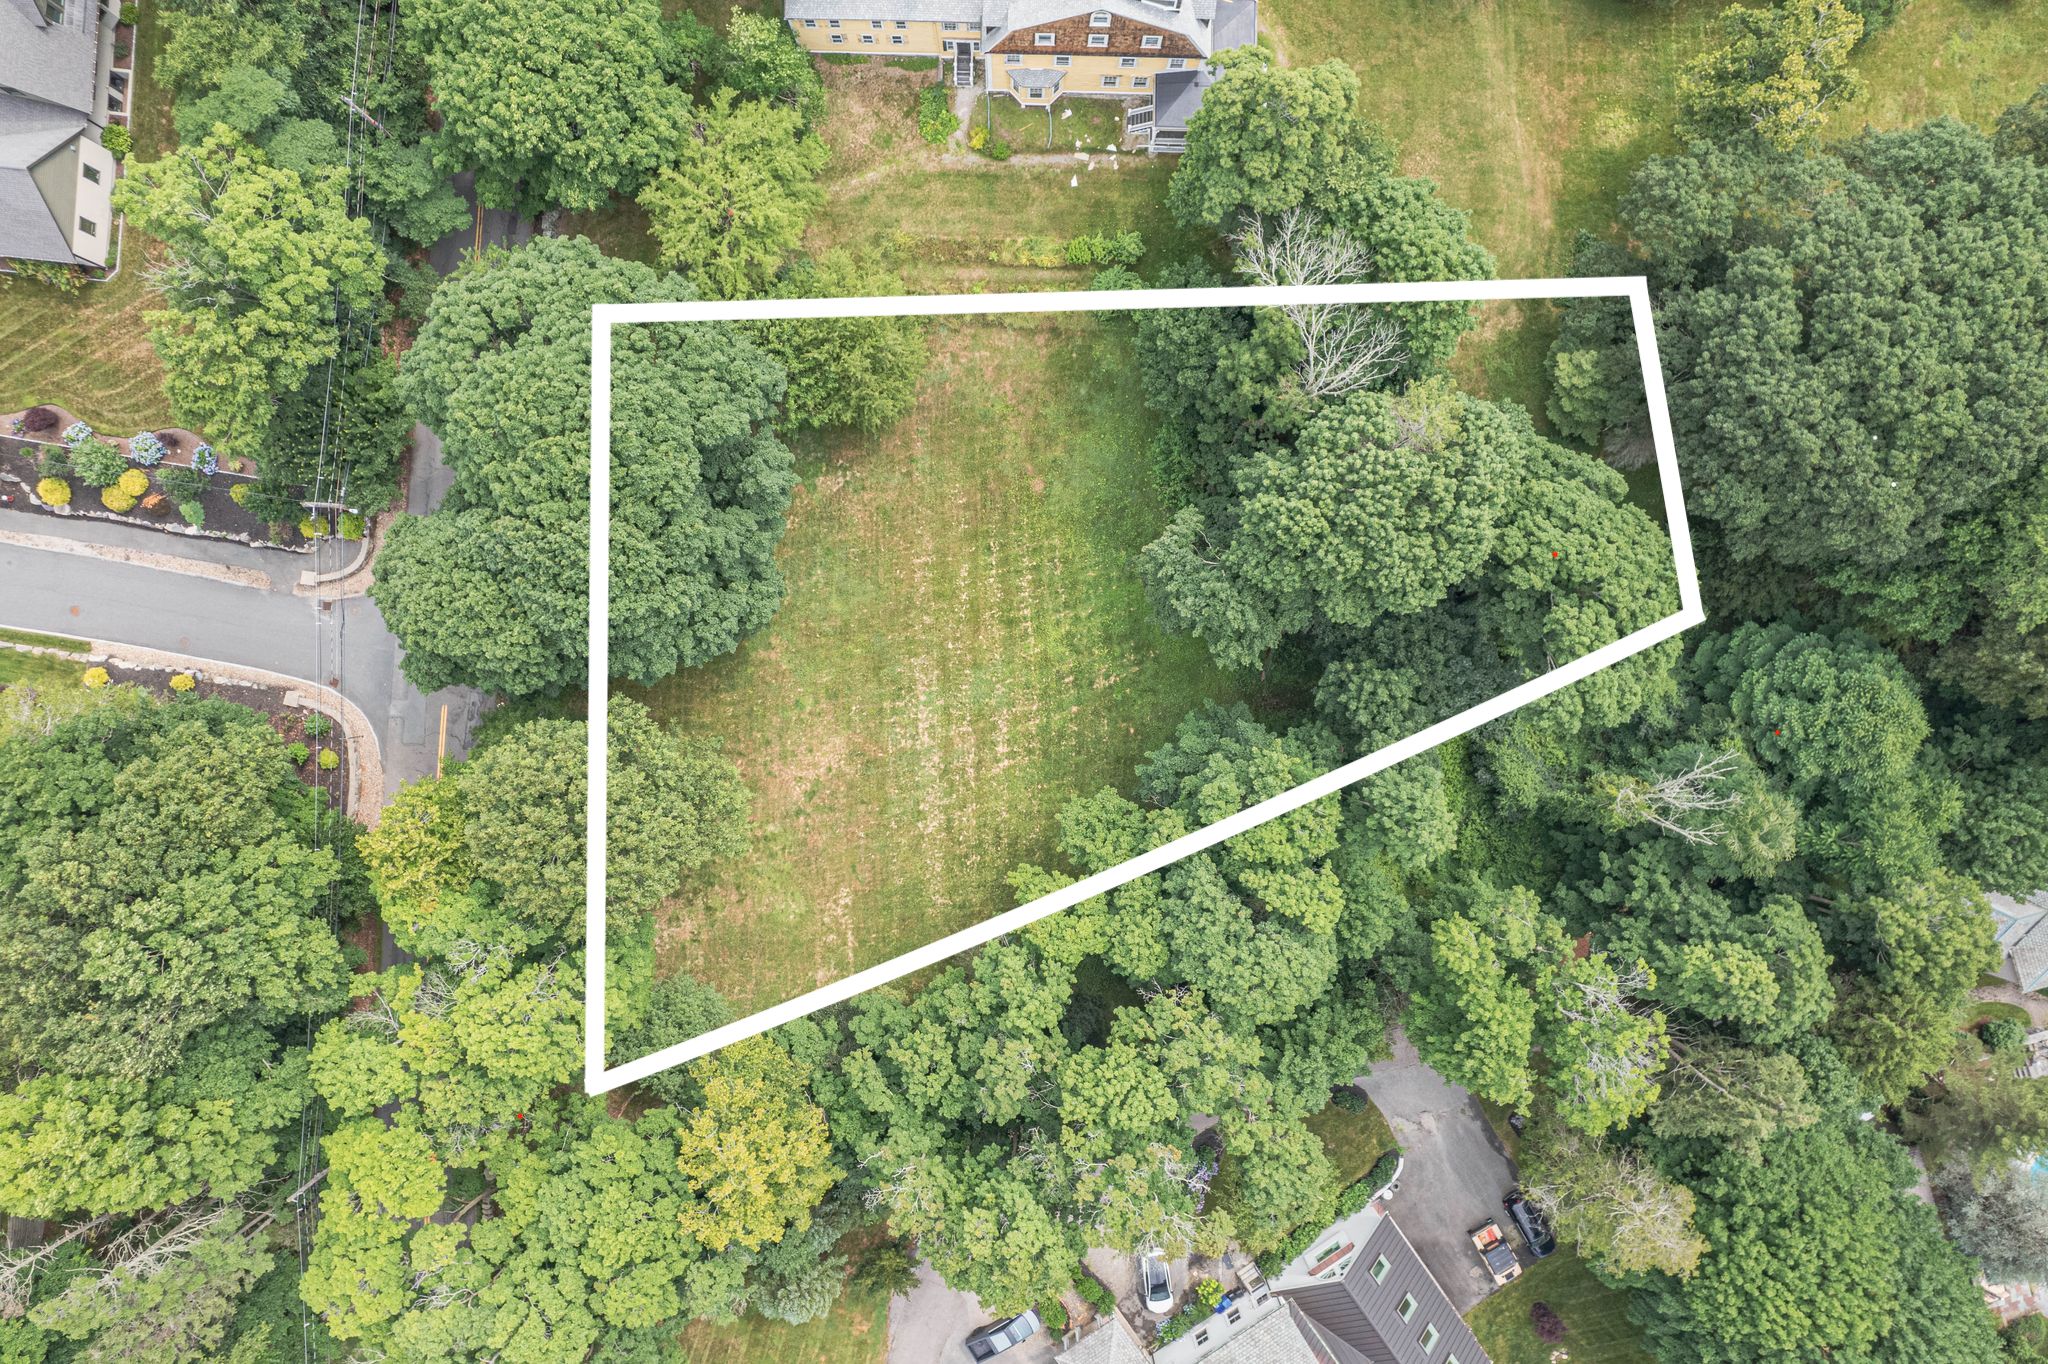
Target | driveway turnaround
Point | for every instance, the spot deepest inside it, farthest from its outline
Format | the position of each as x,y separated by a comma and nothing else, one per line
1456,1173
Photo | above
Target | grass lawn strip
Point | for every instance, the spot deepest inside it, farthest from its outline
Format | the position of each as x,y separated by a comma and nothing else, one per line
855,1331
1597,1328
965,646
1353,1141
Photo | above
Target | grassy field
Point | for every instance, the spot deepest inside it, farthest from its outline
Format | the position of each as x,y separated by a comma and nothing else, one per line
1533,114
89,350
38,670
1596,1329
937,215
855,1331
1352,1140
965,645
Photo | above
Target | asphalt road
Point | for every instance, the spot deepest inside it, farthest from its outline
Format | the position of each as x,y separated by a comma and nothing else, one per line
342,644
1456,1173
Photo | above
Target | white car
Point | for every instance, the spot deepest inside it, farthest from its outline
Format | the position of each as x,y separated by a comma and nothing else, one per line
1155,1286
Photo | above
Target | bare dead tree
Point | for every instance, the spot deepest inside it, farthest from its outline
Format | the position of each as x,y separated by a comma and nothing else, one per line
1668,800
1346,347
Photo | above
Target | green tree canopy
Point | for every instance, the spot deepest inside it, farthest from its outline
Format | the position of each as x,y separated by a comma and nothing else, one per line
261,259
858,372
551,107
491,589
733,200
1774,75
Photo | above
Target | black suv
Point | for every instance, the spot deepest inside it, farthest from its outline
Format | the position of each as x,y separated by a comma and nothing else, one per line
1535,1231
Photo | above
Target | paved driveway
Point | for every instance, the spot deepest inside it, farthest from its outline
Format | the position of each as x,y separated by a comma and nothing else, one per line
929,1325
1456,1173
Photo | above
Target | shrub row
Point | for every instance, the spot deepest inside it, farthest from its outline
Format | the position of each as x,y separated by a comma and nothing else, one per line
1092,248
936,120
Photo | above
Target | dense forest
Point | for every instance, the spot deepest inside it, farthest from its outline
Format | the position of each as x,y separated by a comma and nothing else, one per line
1703,921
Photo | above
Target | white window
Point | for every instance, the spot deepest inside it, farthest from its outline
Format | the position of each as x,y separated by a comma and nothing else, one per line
1062,61
88,227
1110,82
839,37
896,39
1127,62
1429,1339
832,23
1140,82
867,38
1013,59
1379,1269
92,174
1407,1307
949,26
1099,19
1098,40
1150,40
1043,39
1176,63
874,23
810,23
1035,94
901,24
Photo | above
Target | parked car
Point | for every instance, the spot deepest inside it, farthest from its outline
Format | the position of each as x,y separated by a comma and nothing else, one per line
996,1337
1495,1252
1155,1286
1531,1224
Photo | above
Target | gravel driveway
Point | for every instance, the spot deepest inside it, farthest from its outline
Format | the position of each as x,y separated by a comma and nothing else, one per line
1456,1173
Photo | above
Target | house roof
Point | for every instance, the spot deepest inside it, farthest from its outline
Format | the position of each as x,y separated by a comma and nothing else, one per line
30,130
1175,97
57,63
2022,927
1033,77
935,11
1193,20
1109,1343
1275,1338
27,231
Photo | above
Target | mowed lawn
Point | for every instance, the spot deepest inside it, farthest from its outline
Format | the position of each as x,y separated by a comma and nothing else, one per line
1597,1328
855,1331
1534,114
89,351
965,645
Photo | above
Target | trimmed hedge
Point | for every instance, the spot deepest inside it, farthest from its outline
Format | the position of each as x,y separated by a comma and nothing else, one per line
116,500
133,482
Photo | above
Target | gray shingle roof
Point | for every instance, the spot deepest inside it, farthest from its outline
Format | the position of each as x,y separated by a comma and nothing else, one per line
1033,77
1273,1339
57,63
1110,1342
27,231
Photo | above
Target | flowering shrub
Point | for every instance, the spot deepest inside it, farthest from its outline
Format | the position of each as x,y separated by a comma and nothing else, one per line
133,482
77,434
329,760
240,493
115,500
53,492
203,458
145,449
183,682
351,525
96,677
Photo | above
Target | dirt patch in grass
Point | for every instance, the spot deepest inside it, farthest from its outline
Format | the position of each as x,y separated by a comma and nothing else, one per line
965,645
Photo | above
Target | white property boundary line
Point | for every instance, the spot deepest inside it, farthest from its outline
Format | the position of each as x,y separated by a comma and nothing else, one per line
605,316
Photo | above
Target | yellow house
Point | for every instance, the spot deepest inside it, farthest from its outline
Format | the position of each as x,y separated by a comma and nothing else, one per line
1154,53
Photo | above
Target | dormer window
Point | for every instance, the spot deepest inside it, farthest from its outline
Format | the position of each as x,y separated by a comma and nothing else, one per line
1098,40
1099,19
1043,39
1150,41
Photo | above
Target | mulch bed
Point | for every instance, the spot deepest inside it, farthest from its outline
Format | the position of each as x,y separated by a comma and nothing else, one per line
225,518
288,721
